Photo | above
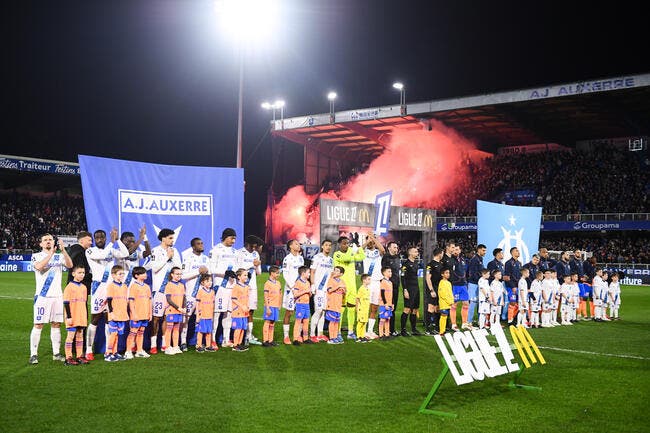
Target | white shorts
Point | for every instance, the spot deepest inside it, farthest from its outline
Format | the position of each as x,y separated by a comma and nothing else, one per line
47,310
484,307
374,292
598,302
565,308
252,298
190,305
523,307
159,304
222,301
495,309
535,309
98,300
320,299
288,303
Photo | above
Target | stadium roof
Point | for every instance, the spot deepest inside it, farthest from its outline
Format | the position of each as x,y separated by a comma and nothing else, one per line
563,114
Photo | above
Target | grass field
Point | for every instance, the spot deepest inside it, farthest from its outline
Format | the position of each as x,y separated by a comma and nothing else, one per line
324,388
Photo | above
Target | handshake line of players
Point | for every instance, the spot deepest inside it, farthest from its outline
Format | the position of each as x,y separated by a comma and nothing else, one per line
537,305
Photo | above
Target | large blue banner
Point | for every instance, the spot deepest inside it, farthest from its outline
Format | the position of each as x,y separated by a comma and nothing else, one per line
503,226
192,201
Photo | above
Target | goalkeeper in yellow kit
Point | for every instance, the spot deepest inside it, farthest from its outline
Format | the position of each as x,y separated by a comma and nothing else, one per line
346,257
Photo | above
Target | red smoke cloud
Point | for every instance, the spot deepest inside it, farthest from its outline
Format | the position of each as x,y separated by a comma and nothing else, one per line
422,168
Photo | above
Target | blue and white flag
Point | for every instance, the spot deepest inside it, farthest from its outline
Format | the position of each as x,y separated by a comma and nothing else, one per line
192,201
382,212
503,226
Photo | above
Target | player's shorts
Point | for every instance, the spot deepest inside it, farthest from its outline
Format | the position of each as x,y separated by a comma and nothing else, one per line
320,300
385,312
484,307
495,309
239,323
75,328
190,305
159,304
252,298
288,301
138,323
48,310
116,326
523,306
174,318
444,312
460,293
302,311
375,292
222,300
413,302
274,316
204,326
98,300
332,316
472,291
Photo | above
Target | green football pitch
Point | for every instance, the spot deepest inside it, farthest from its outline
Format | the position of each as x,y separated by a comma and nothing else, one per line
596,380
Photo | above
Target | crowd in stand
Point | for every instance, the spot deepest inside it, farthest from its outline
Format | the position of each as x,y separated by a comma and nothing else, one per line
23,217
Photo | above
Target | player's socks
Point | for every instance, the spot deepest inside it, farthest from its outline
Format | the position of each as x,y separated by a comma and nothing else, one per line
90,337
79,345
55,338
464,313
285,330
481,320
413,319
402,320
321,324
107,333
352,318
68,349
443,323
34,340
184,334
250,330
470,312
226,322
371,326
154,343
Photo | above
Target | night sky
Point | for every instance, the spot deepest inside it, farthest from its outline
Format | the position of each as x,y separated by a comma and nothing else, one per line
157,81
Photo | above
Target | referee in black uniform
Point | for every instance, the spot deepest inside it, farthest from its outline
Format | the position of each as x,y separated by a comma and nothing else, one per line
411,292
432,279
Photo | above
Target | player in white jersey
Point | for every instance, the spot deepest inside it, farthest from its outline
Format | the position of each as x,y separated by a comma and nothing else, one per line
597,284
138,253
604,297
48,265
497,295
223,258
320,270
374,251
249,258
566,293
556,298
522,292
548,296
575,287
535,302
483,297
290,265
195,264
614,297
164,257
101,259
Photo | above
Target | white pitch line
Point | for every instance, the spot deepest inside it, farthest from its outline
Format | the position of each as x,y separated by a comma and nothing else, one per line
559,349
16,297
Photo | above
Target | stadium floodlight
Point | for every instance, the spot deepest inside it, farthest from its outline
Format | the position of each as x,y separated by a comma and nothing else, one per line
331,96
402,96
246,21
277,105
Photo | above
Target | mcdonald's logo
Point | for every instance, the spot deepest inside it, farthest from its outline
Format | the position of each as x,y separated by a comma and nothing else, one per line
526,346
364,216
428,221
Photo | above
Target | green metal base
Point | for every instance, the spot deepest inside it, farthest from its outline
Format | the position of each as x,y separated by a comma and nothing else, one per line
423,407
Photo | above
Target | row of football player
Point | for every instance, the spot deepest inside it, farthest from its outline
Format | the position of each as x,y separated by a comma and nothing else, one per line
537,305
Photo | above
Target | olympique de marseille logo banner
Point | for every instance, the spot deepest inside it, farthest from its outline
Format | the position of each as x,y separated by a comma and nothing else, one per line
192,201
503,226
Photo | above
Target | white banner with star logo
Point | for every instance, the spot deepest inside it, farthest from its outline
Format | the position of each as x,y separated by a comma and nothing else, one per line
503,226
